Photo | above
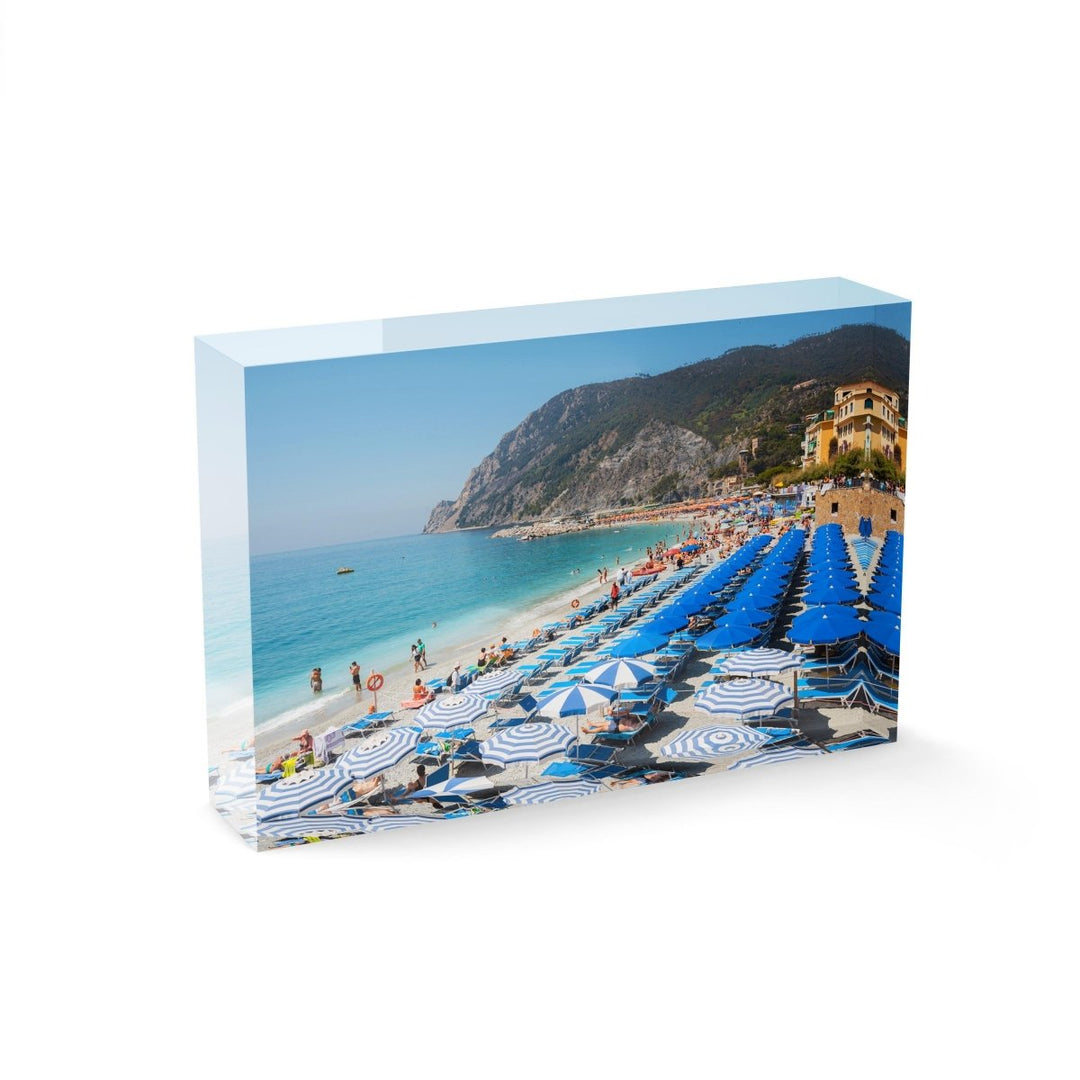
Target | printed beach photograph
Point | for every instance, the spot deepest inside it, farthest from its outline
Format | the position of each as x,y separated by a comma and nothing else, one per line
488,576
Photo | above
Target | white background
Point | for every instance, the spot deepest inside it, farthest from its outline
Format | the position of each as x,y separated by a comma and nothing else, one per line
200,167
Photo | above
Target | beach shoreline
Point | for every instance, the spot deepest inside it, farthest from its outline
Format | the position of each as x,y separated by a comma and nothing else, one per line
346,706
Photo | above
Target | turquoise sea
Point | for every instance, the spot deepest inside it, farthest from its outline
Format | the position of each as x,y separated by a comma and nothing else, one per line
303,613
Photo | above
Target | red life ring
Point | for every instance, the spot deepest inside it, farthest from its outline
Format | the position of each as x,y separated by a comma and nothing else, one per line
375,682
575,603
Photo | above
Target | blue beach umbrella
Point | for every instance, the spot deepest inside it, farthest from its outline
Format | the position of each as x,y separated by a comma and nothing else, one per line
638,644
887,598
714,742
452,711
620,673
743,699
294,794
743,614
663,622
825,625
379,753
759,662
883,628
457,786
830,594
552,791
574,700
771,757
727,637
526,742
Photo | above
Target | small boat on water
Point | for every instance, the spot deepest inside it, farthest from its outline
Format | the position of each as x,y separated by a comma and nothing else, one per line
346,570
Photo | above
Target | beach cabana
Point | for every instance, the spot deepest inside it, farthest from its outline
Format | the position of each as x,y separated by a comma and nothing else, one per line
717,741
743,699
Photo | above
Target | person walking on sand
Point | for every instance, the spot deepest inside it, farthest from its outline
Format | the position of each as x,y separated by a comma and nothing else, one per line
421,652
599,577
354,671
316,680
614,596
415,656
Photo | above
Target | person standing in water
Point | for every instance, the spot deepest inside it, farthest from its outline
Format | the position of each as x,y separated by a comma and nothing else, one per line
354,671
316,680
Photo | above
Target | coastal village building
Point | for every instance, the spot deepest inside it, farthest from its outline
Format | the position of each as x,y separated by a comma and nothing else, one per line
865,416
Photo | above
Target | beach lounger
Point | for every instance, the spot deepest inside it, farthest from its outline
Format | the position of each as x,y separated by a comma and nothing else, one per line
590,754
366,723
864,738
575,770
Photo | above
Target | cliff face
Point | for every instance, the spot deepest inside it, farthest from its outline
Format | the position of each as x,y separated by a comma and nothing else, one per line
649,438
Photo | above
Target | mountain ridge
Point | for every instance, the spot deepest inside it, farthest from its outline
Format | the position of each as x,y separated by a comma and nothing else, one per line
647,438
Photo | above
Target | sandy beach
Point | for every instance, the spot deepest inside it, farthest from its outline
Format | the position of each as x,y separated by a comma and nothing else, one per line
680,716
233,730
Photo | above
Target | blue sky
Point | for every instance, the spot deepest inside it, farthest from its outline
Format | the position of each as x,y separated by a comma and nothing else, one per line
363,447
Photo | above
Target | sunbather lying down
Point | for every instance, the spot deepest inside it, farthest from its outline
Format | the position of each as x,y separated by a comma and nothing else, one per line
614,719
657,776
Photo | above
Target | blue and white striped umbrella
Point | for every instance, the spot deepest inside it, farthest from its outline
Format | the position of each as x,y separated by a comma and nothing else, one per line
526,742
759,662
457,785
496,680
295,828
743,699
388,822
237,783
295,794
453,711
620,673
379,753
770,757
552,792
714,742
574,701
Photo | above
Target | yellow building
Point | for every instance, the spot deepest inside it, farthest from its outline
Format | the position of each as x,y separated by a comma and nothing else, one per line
865,416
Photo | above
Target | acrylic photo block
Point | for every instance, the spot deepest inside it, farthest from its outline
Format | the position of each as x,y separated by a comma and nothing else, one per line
463,563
